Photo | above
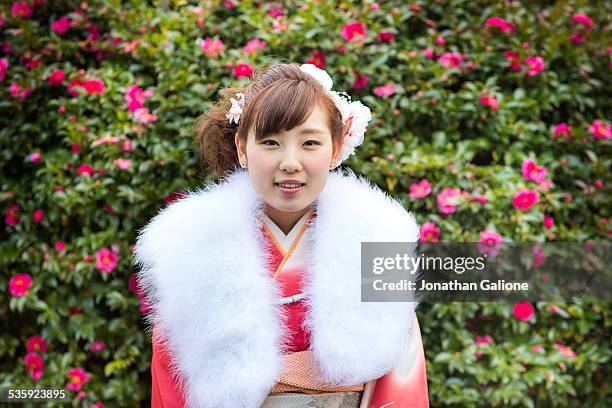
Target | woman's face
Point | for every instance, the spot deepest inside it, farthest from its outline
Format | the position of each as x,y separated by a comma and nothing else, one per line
289,170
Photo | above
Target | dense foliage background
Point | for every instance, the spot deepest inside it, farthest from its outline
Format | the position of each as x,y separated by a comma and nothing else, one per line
491,122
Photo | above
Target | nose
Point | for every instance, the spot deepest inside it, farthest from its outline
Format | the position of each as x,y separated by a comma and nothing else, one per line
290,161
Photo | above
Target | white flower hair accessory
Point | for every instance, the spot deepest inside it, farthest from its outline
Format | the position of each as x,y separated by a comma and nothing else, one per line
355,115
236,109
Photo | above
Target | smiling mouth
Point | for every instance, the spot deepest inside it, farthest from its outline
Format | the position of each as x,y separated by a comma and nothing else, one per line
290,185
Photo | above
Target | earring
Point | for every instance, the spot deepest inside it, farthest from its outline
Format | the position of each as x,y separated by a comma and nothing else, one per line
331,166
243,164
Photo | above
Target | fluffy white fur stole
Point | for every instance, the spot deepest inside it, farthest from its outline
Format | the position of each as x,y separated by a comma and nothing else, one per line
203,269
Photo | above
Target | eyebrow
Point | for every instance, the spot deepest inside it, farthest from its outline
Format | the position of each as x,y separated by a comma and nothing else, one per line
309,131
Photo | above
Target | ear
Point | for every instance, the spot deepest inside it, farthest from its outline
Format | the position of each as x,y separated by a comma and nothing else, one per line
336,152
240,147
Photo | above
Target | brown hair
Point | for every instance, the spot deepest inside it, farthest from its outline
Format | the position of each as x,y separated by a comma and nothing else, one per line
280,98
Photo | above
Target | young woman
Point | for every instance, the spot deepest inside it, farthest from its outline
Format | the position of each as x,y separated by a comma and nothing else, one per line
255,282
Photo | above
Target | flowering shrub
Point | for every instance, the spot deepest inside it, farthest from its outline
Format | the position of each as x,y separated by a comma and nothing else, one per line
489,122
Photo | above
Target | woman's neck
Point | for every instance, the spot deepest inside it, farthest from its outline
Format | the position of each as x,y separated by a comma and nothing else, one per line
285,220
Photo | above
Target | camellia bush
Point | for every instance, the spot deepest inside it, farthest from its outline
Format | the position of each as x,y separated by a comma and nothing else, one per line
490,122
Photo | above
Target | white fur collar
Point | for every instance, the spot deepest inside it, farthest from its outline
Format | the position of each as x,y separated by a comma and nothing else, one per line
213,300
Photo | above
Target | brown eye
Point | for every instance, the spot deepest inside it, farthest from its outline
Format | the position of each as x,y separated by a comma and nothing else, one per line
312,143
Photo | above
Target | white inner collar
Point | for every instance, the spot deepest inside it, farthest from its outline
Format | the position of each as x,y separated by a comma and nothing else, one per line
285,241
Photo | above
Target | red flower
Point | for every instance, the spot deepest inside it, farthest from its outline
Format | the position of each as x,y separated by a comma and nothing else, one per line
514,59
489,100
548,222
525,199
19,284
386,36
85,169
501,24
61,26
429,232
243,69
56,78
21,9
562,129
584,20
318,59
354,30
36,343
523,311
34,365
361,81
94,86
78,377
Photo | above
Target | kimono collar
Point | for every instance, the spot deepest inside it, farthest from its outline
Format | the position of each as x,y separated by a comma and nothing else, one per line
214,304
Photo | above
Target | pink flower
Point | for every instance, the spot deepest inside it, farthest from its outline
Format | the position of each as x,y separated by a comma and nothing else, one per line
318,59
598,184
428,53
35,157
429,232
545,184
385,90
531,171
38,216
584,20
3,67
548,222
523,311
565,350
97,405
212,47
143,116
253,45
535,65
537,348
123,164
440,40
36,344
243,69
448,194
374,7
135,98
35,365
19,284
562,129
577,38
279,26
515,60
127,145
92,86
275,12
57,78
72,85
489,100
489,243
420,189
600,130
59,246
97,346
85,169
386,36
106,260
61,26
450,59
18,92
105,140
10,216
525,199
21,9
354,30
483,340
78,377
501,24
538,256
131,45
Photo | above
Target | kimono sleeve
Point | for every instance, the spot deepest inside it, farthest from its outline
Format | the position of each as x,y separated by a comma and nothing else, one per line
405,386
164,388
